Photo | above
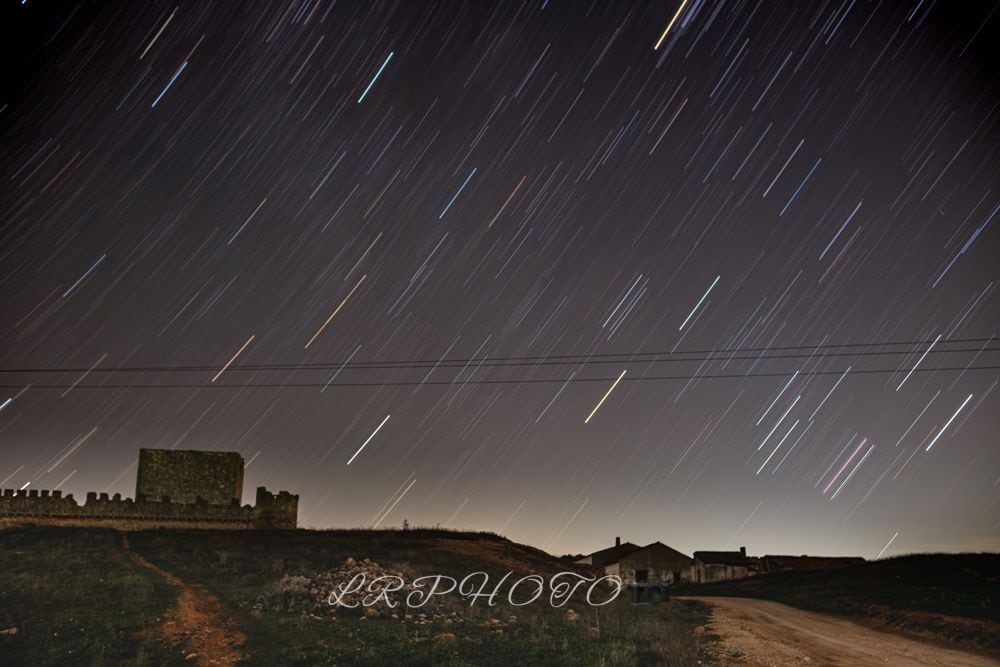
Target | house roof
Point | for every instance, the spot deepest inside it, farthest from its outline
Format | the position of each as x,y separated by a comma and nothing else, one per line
721,557
606,557
670,552
612,554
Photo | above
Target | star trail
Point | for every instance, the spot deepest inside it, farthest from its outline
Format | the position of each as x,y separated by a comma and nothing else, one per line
715,273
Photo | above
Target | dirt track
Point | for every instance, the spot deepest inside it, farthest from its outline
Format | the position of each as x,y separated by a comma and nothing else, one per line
760,632
196,622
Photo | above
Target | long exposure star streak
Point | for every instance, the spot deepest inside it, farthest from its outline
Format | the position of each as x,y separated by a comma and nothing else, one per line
625,269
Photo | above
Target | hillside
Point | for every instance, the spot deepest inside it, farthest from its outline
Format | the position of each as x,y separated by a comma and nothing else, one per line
98,596
950,598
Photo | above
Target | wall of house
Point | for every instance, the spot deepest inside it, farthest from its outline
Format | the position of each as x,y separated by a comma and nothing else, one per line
661,565
700,572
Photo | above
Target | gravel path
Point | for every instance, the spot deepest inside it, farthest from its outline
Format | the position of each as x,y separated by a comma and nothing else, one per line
761,632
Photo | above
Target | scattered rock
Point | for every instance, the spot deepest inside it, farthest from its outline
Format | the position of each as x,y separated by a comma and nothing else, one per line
309,595
191,656
700,630
444,638
371,612
9,631
571,615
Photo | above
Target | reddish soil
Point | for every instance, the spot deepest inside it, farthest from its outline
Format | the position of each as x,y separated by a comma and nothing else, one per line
197,621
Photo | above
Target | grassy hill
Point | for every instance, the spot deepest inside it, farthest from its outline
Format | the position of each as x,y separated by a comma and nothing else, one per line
86,596
952,598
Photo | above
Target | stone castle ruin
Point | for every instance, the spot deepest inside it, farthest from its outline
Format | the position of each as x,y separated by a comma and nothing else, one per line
189,477
174,489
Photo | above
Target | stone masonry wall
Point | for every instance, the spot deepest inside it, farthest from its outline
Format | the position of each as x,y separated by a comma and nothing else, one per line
52,508
185,476
174,488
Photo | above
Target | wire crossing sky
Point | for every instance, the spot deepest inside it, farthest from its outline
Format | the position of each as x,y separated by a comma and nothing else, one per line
715,273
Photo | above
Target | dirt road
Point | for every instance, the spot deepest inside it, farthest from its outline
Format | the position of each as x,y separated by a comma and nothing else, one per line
196,622
760,632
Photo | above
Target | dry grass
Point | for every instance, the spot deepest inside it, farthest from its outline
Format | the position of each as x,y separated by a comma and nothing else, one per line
248,571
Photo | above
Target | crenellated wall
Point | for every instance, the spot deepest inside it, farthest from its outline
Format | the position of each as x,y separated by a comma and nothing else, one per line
276,511
174,488
52,508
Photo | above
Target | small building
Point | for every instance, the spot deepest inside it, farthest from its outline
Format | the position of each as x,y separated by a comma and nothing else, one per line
655,562
722,566
806,563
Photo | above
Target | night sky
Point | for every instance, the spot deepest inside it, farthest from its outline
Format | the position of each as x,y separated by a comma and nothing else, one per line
711,273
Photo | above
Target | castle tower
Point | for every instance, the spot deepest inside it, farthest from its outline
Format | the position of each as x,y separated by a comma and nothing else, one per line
188,476
276,511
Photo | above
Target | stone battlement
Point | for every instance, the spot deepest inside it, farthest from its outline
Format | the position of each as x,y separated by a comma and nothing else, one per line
174,488
51,507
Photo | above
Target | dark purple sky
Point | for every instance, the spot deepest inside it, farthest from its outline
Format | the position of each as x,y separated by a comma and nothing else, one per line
428,239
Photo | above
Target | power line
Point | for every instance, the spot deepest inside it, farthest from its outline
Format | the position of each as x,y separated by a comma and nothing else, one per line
403,383
550,360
